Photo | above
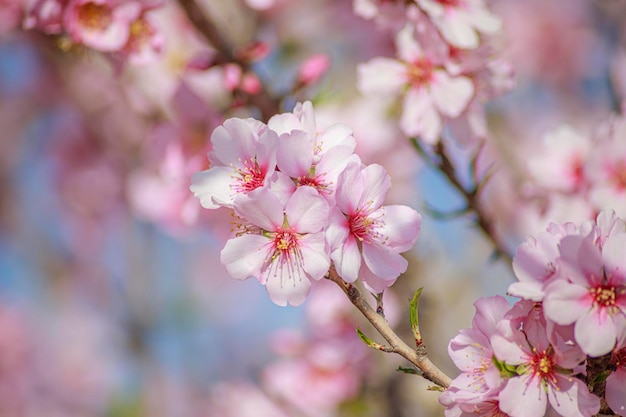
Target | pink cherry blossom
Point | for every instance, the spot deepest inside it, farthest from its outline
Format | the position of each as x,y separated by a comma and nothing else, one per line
45,15
542,373
591,292
361,228
535,263
559,166
479,382
282,245
305,156
242,160
432,93
461,21
104,25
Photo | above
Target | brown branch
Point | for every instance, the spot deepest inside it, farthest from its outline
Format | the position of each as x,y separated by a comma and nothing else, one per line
472,199
417,357
264,101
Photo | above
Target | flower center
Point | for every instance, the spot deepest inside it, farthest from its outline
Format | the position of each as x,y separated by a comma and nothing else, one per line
248,177
94,16
603,296
542,365
420,72
285,243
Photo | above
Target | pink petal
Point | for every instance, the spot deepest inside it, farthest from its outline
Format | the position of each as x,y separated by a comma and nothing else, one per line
338,229
373,283
383,261
377,185
613,254
523,397
409,50
457,30
244,256
451,95
350,188
294,156
401,226
315,255
212,187
615,393
595,332
489,311
260,207
307,211
572,398
347,260
564,302
336,135
287,286
235,140
381,75
420,117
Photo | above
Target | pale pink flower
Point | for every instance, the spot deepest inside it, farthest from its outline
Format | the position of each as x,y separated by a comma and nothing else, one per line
430,92
542,374
282,245
558,166
606,172
479,382
309,157
535,263
45,15
461,21
104,25
361,228
591,291
242,160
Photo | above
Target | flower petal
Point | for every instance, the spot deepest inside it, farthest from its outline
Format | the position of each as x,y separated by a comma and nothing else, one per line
245,255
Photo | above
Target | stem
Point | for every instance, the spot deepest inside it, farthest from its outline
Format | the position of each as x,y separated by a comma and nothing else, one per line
417,357
471,196
267,105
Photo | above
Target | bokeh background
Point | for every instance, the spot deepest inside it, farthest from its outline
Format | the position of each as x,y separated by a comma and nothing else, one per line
112,298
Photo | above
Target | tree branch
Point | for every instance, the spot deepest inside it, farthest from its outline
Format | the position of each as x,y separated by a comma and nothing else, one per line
263,100
417,357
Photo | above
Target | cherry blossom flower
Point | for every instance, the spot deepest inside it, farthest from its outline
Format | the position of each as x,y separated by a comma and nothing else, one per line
540,373
460,21
432,93
477,387
362,228
104,25
559,166
242,160
535,263
591,291
45,15
309,157
282,245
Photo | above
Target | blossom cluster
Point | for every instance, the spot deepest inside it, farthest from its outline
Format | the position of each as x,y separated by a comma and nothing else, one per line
445,66
301,200
553,346
111,26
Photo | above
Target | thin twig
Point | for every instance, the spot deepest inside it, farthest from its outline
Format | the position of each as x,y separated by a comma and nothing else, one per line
417,357
263,100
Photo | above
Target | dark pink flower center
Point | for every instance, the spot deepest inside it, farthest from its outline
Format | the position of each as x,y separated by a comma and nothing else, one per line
542,364
94,16
604,296
249,177
420,72
285,242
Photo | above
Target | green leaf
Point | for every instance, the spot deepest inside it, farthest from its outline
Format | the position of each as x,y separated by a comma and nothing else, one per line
414,317
412,371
